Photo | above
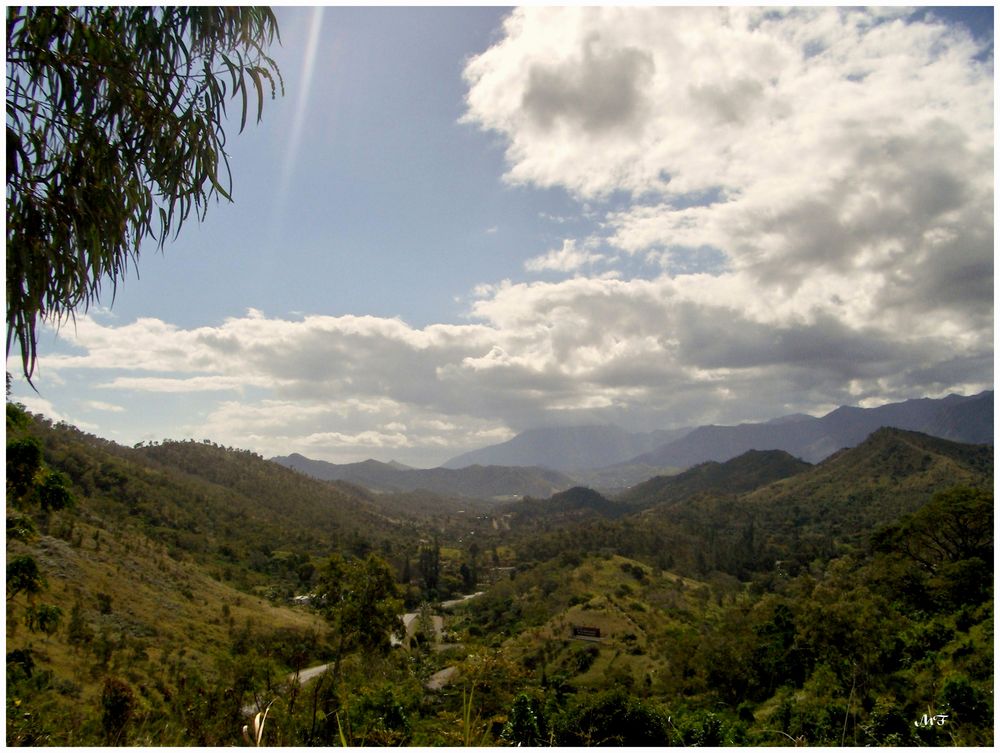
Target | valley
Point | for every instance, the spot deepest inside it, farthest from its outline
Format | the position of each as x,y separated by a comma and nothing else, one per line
159,593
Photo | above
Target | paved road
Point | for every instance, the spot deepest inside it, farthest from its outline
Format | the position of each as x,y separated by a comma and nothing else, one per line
440,679
304,675
453,602
307,674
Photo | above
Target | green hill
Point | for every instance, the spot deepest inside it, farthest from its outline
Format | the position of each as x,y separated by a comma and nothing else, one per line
700,523
246,519
847,496
741,474
754,602
145,593
572,505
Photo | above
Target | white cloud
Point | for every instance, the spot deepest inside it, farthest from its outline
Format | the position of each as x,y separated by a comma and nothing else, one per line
102,406
44,407
833,143
814,185
569,258
836,162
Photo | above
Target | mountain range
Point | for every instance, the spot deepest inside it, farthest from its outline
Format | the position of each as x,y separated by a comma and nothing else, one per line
568,449
956,417
482,482
541,462
741,584
757,508
960,419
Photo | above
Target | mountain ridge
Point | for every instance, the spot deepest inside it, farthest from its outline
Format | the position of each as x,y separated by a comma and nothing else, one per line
744,473
567,449
962,419
477,481
542,462
966,419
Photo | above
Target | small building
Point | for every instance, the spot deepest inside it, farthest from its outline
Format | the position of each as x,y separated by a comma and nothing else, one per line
586,633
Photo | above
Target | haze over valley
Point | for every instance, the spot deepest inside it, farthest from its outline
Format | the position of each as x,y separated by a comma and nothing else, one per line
539,462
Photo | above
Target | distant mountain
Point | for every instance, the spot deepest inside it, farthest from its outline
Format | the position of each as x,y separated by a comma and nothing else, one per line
477,482
749,471
614,479
961,419
567,449
370,474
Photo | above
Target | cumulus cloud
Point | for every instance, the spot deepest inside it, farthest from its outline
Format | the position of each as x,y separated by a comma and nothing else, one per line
603,90
569,258
811,188
831,170
835,141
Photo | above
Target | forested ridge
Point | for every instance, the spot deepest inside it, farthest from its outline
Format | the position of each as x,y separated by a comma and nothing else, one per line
762,601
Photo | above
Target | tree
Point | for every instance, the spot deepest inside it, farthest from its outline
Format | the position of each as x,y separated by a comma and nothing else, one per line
114,134
43,617
23,575
525,724
362,604
430,568
940,556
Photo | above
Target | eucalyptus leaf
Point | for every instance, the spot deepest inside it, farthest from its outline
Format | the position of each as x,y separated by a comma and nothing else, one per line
114,114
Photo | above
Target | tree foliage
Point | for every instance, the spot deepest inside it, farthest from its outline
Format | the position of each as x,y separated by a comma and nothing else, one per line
115,134
362,604
957,524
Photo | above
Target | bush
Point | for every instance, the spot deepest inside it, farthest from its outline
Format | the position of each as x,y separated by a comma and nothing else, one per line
611,718
117,704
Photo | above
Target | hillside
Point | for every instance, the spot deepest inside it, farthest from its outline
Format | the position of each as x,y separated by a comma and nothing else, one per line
862,647
146,595
703,523
227,509
891,473
478,482
816,512
564,508
745,603
749,471
373,475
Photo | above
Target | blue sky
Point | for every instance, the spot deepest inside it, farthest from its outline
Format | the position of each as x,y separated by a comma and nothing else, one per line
460,223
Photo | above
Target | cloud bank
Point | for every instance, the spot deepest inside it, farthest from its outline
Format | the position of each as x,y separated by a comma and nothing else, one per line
807,195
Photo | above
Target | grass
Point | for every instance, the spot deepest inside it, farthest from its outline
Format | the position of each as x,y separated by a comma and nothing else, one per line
640,613
151,610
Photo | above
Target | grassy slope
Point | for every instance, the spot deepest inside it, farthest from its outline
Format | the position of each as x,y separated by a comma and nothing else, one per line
159,617
643,616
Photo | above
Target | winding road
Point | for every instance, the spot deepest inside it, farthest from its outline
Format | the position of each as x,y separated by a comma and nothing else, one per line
436,682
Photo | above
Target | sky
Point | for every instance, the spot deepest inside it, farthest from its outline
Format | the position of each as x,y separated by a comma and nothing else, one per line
461,223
